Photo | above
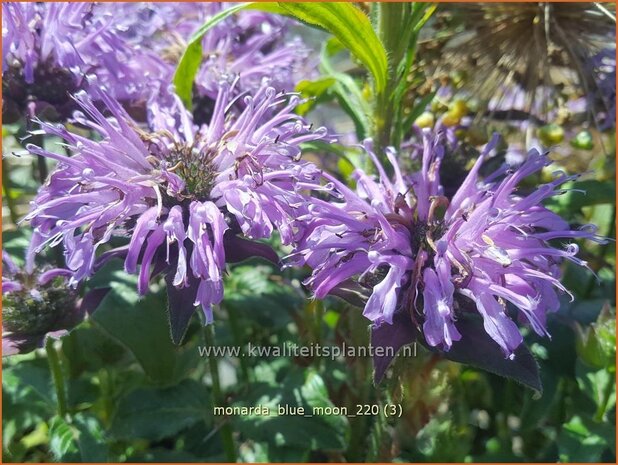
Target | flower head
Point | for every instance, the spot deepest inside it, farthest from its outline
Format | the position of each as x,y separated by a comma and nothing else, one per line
180,193
48,48
246,49
249,49
436,258
526,57
39,304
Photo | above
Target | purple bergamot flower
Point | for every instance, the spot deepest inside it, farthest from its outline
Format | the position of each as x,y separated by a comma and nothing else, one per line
249,48
182,194
245,48
49,48
436,259
38,303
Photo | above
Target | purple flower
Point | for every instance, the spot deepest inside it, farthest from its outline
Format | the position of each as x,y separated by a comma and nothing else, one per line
250,48
40,63
435,259
48,48
245,48
39,304
182,194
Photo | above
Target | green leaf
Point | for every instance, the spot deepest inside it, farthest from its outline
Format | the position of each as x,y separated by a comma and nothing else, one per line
314,91
15,243
599,386
300,432
91,438
441,440
596,345
192,56
62,439
31,375
88,349
352,28
82,440
27,398
162,455
346,90
252,293
157,413
141,325
577,442
417,110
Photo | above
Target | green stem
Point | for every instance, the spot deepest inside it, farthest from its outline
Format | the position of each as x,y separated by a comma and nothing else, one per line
217,395
6,187
57,376
106,386
361,385
238,340
390,20
42,168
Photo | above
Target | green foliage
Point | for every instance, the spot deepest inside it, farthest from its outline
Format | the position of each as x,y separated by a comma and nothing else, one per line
157,413
581,442
292,431
340,86
141,325
133,395
353,30
583,194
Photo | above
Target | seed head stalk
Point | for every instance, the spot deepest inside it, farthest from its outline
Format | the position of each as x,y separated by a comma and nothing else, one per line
55,367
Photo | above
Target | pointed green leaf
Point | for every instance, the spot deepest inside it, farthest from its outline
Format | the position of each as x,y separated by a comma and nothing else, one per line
353,29
62,438
319,427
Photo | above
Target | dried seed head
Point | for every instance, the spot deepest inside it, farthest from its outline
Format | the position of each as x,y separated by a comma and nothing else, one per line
543,49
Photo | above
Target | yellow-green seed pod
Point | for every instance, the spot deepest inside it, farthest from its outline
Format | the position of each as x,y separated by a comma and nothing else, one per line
551,134
449,119
461,133
425,120
583,141
438,106
548,172
459,108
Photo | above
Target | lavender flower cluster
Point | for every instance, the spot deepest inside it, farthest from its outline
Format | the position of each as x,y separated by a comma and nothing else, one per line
436,258
181,194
